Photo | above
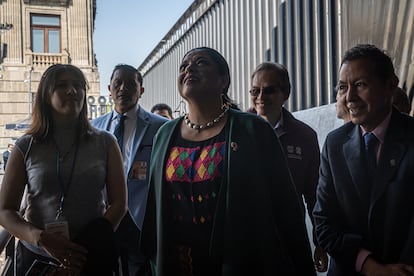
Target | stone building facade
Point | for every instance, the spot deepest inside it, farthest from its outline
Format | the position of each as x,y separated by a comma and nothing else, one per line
35,34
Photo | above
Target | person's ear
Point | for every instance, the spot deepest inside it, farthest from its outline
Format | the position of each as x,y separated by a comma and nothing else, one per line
141,91
393,84
224,83
286,95
395,81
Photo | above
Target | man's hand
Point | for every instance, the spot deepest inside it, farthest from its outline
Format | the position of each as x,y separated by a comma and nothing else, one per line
373,268
320,259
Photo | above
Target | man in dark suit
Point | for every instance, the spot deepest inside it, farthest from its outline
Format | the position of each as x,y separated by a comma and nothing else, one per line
270,89
137,132
364,213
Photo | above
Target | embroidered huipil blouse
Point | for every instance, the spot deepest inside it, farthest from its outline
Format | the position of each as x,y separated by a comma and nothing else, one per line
193,175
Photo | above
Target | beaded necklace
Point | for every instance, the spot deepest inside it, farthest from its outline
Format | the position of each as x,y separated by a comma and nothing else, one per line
207,125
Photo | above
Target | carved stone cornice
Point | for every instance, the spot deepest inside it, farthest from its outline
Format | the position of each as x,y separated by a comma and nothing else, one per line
48,2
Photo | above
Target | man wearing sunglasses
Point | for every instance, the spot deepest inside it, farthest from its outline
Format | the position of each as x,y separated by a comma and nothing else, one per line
270,89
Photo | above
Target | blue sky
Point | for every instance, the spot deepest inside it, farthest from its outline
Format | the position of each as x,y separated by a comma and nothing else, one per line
126,31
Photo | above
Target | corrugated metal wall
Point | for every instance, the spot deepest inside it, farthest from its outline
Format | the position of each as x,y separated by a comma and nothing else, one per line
307,36
387,24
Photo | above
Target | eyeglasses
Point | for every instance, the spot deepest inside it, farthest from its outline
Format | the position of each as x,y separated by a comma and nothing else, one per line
268,90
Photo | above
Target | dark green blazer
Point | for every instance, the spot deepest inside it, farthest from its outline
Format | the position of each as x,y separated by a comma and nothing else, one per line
258,226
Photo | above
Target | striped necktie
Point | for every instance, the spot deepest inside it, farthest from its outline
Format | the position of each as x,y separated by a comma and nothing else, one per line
119,130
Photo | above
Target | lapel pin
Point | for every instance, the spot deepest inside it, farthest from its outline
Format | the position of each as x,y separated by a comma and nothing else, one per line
234,146
393,163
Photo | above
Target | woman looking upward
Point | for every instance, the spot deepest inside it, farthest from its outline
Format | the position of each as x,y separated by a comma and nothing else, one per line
221,198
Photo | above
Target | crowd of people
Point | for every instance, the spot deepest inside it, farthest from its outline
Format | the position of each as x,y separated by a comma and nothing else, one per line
217,191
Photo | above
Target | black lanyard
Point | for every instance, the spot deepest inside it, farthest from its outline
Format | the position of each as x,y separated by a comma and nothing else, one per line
64,190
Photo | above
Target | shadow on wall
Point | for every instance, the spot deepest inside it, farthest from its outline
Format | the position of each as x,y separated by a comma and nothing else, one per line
322,119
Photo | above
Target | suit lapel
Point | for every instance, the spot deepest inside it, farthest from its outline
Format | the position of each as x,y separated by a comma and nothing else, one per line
356,165
107,125
141,128
104,122
391,154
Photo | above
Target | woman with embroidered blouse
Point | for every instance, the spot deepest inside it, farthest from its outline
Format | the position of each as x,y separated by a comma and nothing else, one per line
75,184
221,199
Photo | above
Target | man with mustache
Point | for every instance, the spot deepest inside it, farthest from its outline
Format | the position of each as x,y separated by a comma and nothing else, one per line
134,128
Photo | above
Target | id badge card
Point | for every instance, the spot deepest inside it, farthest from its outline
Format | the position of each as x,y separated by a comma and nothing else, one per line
60,227
139,170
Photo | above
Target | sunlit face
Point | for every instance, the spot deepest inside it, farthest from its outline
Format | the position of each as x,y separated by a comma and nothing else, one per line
269,101
164,113
368,97
125,90
68,95
199,76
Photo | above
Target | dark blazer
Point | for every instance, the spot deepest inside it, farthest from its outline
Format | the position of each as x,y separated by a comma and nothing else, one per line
147,126
300,144
348,216
258,226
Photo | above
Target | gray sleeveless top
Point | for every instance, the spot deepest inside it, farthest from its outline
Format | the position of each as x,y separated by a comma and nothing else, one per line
84,198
